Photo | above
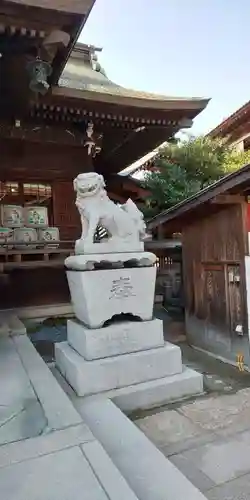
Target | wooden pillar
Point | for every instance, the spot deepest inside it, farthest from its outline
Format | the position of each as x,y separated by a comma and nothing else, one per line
88,163
160,232
65,214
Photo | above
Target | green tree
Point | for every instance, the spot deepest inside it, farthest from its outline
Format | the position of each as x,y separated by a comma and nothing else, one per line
182,169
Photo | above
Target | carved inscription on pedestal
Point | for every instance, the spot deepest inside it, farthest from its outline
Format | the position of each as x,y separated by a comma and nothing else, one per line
123,338
121,288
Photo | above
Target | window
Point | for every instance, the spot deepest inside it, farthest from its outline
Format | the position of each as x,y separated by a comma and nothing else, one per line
9,190
40,192
26,194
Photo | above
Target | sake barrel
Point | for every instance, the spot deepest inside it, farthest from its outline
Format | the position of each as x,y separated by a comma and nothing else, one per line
26,236
48,235
6,237
36,217
12,216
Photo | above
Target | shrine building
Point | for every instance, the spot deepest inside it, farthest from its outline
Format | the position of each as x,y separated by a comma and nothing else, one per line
60,115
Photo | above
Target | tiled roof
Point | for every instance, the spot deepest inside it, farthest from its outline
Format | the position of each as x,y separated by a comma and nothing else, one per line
94,81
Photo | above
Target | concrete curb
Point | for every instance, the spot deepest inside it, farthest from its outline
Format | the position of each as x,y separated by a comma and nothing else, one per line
107,473
150,475
58,409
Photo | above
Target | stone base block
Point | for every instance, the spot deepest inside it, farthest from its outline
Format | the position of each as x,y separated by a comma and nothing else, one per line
92,377
115,339
97,296
159,392
109,260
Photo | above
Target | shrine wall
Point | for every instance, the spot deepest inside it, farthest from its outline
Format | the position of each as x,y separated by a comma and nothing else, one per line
40,174
214,249
35,164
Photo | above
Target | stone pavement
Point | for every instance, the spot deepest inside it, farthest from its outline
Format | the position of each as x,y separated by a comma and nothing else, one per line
46,450
64,465
208,440
21,414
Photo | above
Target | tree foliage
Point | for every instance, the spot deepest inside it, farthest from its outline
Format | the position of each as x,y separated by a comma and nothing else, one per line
182,169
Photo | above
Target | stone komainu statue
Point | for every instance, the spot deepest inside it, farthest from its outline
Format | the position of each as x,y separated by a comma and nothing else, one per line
122,222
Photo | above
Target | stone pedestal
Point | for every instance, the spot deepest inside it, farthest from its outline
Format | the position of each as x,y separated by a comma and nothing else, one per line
115,339
114,344
92,377
98,296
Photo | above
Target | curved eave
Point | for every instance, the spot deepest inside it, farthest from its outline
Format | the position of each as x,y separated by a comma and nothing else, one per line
195,105
225,127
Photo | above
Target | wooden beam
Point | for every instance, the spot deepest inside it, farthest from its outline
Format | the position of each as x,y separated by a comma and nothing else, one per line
227,199
16,12
69,16
164,244
18,45
160,232
42,133
116,197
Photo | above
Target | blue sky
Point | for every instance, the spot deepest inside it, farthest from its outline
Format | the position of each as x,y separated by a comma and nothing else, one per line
197,48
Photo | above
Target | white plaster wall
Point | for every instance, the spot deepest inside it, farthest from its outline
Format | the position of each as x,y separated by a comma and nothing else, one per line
239,144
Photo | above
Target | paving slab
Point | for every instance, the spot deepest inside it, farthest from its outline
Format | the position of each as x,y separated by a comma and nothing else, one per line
168,427
224,415
15,386
64,475
225,460
28,422
196,476
21,415
188,444
33,448
238,489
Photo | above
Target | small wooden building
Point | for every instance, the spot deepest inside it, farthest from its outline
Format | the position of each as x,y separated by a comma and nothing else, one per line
215,228
80,122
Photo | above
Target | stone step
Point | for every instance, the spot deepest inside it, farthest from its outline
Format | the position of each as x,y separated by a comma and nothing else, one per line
147,471
92,377
158,392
